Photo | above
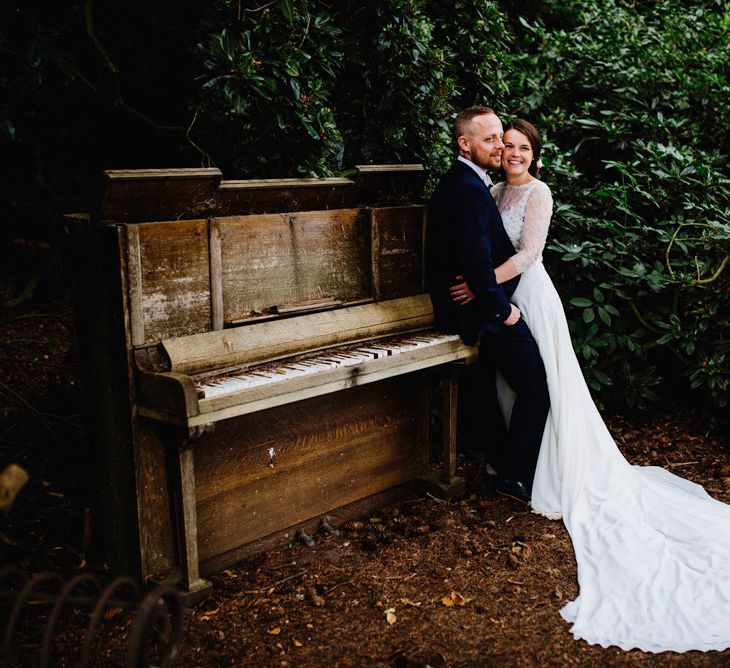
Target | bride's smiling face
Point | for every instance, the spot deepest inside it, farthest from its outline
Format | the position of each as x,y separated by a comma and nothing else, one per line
517,155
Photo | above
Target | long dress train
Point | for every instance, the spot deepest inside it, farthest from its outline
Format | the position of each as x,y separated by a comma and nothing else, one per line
652,549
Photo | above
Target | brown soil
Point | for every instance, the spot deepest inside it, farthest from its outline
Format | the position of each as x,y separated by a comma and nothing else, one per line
478,582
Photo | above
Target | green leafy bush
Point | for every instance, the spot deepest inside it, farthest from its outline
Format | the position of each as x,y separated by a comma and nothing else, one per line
266,97
631,98
312,88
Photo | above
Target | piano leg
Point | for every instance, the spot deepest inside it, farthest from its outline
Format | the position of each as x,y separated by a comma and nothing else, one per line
182,478
446,483
450,390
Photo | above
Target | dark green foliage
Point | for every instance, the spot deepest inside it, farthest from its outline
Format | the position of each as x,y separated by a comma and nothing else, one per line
632,99
265,102
312,88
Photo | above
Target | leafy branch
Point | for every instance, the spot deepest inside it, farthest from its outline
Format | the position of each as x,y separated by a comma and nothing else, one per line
699,280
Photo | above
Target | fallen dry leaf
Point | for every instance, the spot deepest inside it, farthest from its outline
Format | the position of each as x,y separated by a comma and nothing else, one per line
390,616
407,601
297,643
274,632
455,599
209,613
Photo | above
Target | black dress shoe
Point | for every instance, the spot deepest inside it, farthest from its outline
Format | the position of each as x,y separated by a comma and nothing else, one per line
513,488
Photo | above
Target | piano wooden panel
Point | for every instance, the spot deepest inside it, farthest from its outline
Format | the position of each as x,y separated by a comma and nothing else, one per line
398,261
142,195
270,262
285,465
169,279
155,505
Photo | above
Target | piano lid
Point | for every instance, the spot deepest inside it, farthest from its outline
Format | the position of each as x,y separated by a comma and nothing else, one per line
293,336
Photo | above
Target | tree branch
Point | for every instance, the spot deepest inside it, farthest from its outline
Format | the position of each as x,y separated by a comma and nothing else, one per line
639,317
700,280
91,33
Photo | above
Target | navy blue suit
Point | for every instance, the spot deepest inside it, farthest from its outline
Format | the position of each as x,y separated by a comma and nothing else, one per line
465,236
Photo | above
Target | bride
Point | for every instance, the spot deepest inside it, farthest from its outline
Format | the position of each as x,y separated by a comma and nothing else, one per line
653,549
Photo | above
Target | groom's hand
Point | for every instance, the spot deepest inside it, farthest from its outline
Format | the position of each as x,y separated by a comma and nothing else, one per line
513,317
461,292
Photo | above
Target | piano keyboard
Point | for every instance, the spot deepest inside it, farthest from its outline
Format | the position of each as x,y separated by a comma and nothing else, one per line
323,361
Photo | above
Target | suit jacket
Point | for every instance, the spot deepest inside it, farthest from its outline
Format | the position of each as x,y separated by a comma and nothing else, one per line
465,236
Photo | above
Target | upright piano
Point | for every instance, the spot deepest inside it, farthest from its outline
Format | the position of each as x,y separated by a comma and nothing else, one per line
255,354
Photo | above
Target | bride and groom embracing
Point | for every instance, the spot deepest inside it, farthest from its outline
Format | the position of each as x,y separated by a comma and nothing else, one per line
652,549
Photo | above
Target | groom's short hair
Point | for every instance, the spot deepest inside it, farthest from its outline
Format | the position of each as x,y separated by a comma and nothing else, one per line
465,116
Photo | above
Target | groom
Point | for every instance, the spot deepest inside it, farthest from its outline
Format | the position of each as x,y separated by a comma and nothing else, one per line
465,237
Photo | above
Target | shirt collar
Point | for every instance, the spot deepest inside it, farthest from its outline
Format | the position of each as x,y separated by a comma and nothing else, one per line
480,172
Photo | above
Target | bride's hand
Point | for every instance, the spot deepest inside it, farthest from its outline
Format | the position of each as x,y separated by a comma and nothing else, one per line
461,292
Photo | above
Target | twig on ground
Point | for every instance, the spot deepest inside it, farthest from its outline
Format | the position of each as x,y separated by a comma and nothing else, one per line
339,584
276,584
412,501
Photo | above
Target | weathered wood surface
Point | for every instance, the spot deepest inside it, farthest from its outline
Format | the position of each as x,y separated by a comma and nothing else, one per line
192,276
154,521
370,185
398,251
270,262
272,195
259,474
280,338
187,522
449,393
336,517
135,196
171,393
174,278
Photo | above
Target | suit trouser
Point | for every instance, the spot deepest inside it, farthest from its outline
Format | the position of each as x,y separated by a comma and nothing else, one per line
514,352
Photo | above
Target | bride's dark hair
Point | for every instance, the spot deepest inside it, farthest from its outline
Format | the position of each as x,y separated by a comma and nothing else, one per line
530,131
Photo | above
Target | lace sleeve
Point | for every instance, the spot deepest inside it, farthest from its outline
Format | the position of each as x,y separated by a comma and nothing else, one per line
534,231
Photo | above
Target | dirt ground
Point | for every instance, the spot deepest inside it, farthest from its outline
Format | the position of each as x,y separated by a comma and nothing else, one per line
479,582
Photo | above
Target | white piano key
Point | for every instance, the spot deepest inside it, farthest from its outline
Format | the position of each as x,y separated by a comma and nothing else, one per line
371,351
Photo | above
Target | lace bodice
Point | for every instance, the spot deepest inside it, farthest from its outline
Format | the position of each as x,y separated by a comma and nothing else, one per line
526,212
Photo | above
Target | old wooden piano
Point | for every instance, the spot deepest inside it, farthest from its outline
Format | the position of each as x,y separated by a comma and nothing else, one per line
255,354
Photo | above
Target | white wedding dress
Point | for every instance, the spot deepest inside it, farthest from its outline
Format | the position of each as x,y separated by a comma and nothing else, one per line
653,549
